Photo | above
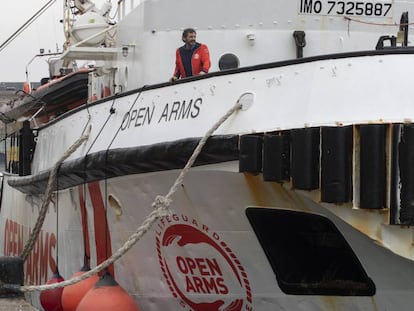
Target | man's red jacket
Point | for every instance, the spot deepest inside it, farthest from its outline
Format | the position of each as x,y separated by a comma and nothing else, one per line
200,61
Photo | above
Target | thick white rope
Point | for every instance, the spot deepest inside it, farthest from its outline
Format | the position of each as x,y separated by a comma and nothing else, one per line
51,185
160,204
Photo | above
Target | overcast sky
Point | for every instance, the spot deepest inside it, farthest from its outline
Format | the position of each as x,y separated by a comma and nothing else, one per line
46,32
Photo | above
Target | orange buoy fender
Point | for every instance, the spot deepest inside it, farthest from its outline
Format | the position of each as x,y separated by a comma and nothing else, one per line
51,300
73,294
107,295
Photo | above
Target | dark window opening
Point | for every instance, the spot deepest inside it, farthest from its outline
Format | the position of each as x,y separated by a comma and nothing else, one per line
308,254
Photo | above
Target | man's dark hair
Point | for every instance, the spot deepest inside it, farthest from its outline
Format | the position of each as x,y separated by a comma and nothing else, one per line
187,31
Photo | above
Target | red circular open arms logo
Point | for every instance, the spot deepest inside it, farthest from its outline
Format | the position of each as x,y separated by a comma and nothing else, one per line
200,269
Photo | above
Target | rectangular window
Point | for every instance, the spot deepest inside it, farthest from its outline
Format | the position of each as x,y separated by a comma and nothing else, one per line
308,254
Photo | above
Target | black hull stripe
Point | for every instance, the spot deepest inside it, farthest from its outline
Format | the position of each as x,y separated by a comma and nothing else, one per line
136,160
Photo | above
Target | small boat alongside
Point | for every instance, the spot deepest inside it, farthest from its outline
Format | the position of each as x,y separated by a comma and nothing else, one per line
49,100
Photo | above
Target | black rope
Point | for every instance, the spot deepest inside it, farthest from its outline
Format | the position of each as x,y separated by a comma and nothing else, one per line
111,112
26,24
129,111
57,220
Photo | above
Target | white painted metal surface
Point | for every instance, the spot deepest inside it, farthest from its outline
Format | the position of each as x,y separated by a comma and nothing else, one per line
202,203
335,91
154,29
320,93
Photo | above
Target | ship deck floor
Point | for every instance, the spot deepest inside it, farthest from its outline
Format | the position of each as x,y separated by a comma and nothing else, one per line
15,304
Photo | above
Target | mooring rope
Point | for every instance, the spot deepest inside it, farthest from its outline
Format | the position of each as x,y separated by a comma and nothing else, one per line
160,206
48,194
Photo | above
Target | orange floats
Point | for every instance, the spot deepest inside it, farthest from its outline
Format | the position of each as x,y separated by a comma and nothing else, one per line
73,294
107,295
51,300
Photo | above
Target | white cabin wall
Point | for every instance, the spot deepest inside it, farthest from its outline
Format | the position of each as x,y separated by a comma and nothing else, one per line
130,33
154,30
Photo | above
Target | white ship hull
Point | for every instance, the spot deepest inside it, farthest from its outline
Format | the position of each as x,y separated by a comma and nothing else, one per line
300,200
212,201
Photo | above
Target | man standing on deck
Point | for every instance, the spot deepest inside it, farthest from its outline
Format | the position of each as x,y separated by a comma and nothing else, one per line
192,58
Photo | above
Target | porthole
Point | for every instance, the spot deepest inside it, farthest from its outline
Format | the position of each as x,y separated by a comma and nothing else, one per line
228,61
